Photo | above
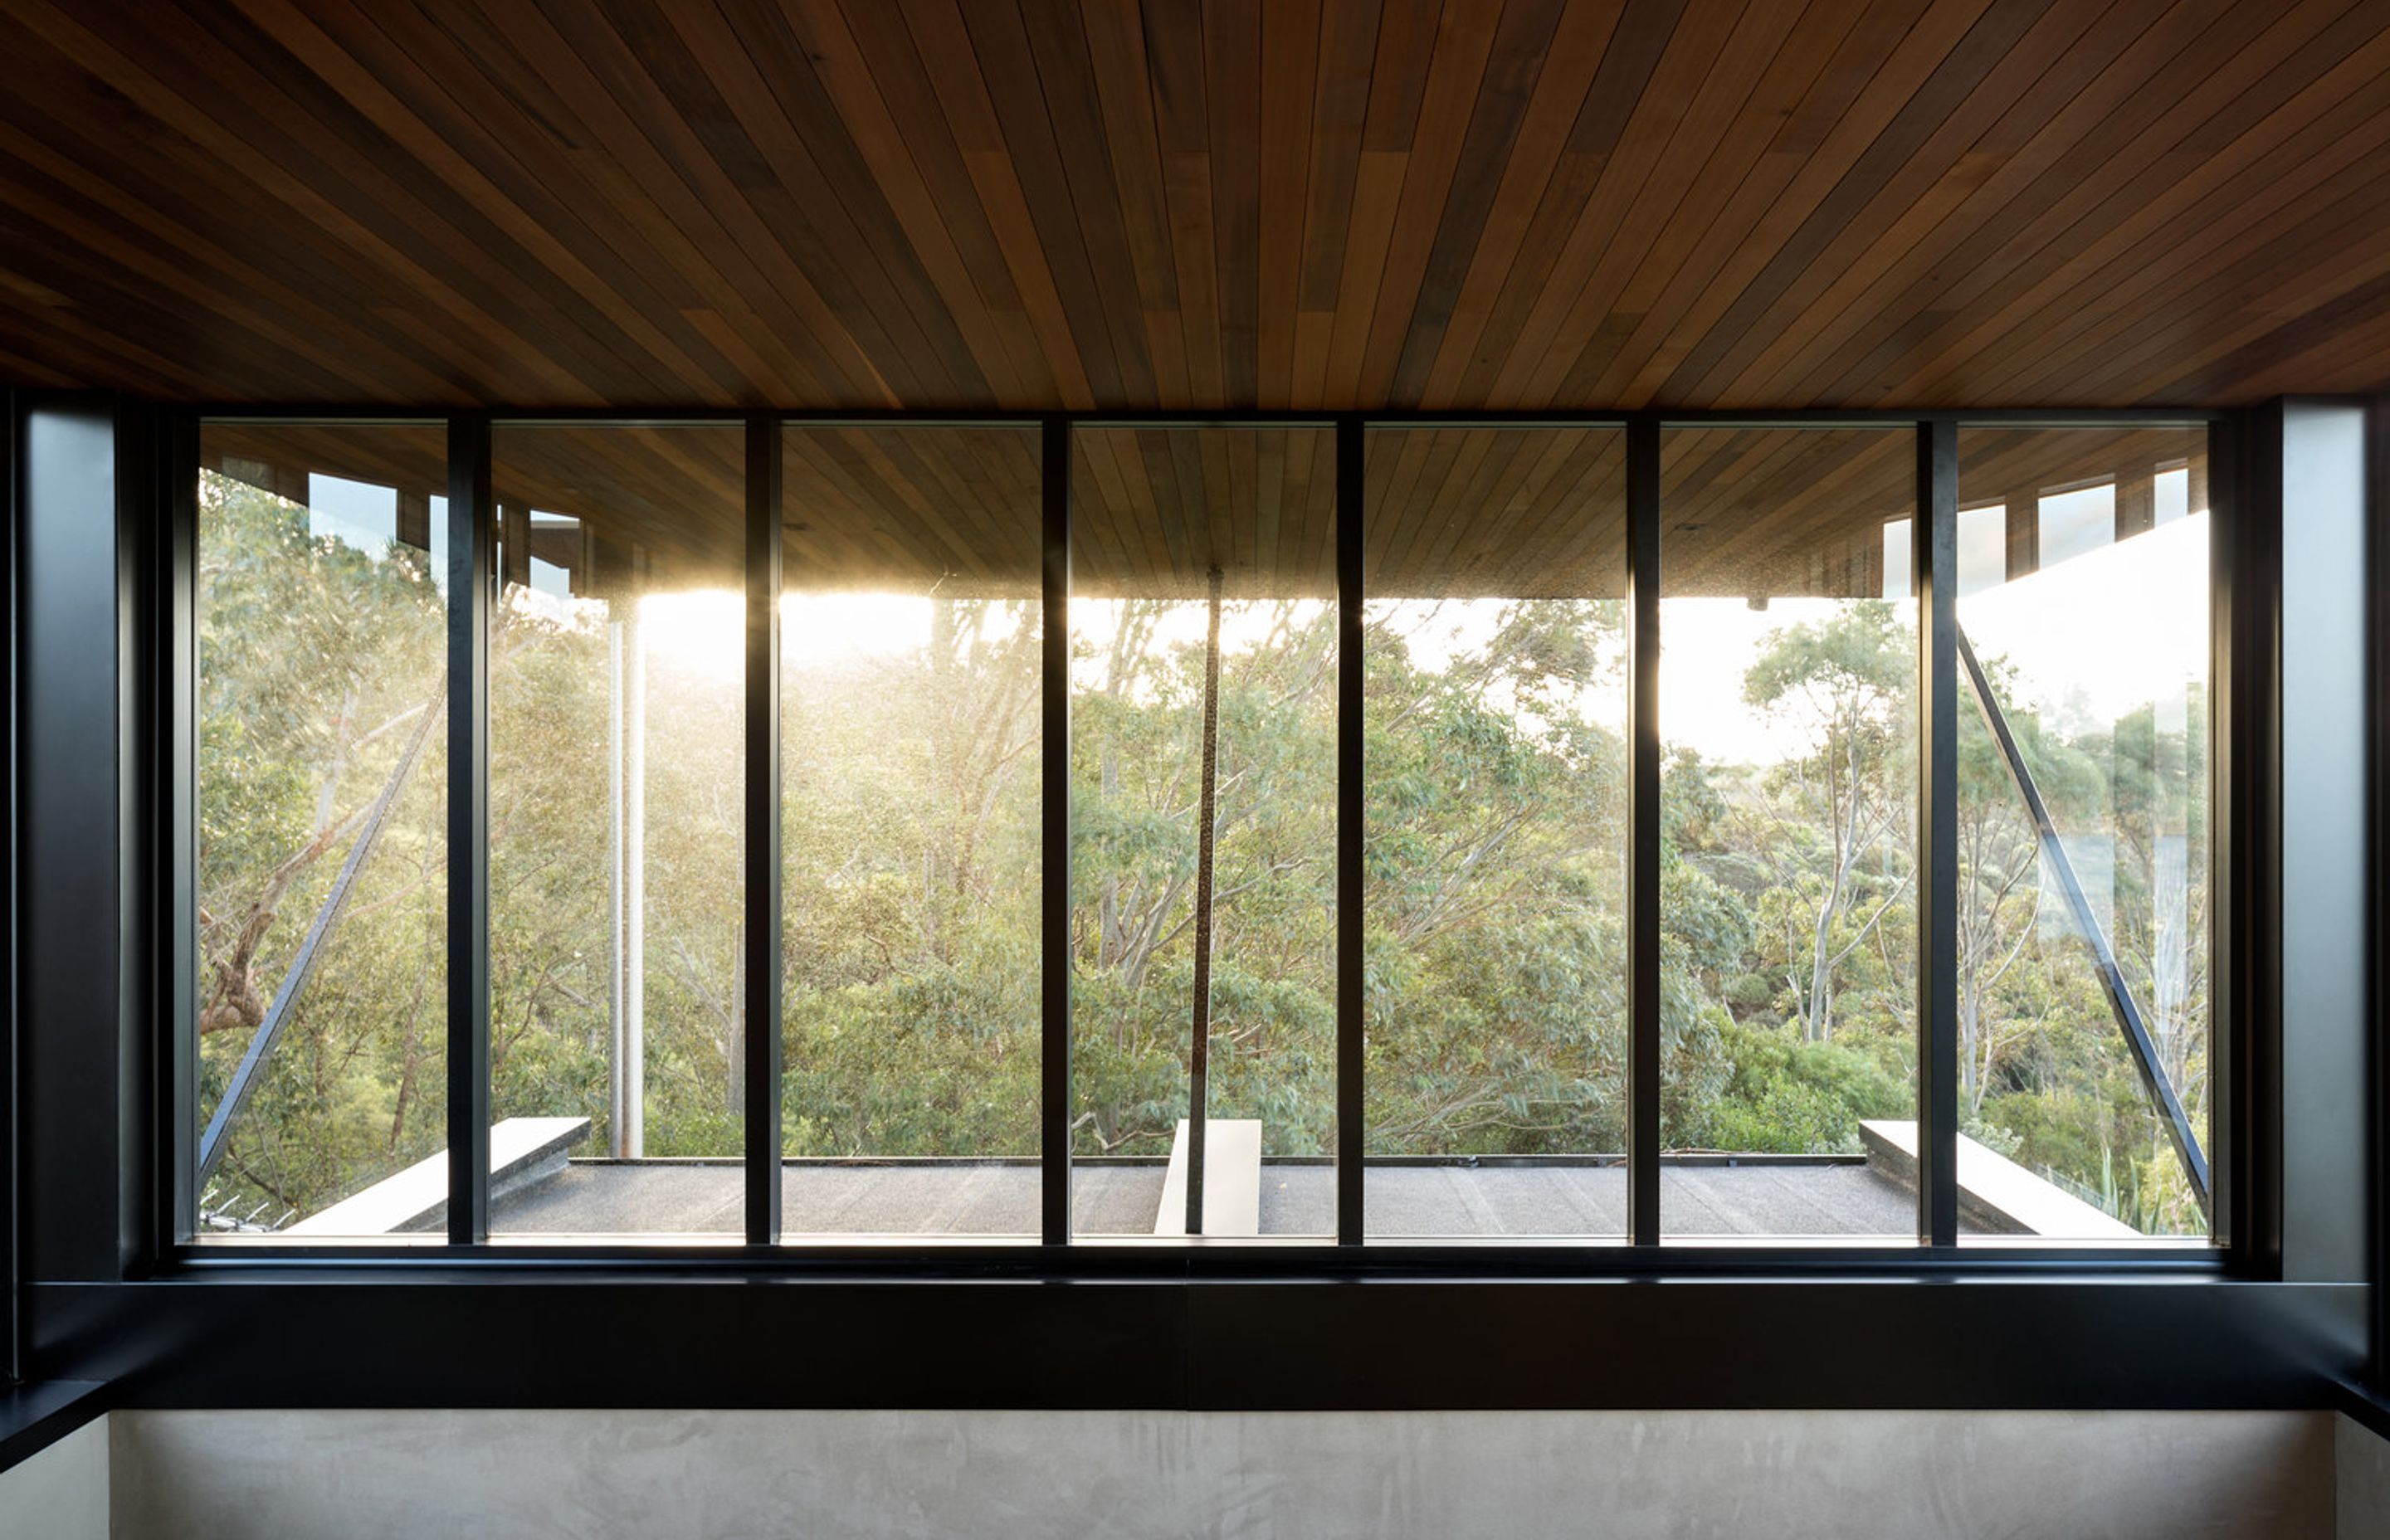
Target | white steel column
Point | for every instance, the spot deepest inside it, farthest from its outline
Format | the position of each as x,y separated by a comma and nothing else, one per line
634,885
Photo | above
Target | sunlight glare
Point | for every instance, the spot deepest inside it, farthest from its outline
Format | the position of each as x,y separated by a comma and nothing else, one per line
699,633
818,629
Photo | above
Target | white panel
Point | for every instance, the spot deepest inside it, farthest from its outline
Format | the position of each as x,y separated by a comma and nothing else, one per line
1232,1180
2325,933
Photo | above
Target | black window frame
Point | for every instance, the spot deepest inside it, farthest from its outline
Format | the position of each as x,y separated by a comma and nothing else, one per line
2241,754
11,1195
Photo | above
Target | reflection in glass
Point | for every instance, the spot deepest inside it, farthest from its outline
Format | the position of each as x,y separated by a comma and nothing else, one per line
1788,804
617,657
1495,565
2092,640
1202,614
911,645
321,801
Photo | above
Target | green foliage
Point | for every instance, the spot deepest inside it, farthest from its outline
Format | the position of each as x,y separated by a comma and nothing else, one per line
1495,830
318,663
1495,947
1797,1097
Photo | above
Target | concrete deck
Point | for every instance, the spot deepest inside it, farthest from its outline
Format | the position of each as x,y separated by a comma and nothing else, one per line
960,1199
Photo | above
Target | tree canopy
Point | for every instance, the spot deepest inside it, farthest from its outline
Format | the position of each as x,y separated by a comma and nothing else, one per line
1495,898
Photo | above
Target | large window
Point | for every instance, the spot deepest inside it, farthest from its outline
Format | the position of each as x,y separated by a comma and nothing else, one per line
1788,883
617,1026
1400,835
2084,1004
321,1032
1203,673
911,685
1495,566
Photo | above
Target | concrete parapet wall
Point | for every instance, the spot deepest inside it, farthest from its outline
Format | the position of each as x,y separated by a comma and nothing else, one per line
364,1474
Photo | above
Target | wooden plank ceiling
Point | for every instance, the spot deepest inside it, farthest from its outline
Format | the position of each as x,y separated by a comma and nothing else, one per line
1452,512
1302,203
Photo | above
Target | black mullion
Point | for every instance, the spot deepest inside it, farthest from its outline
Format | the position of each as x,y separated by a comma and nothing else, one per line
12,1203
762,835
471,581
2228,1027
1936,541
143,443
1054,758
2377,1258
1351,805
1643,815
2247,534
177,868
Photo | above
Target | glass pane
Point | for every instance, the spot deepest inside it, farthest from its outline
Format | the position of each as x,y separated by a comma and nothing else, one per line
1788,685
1196,552
1495,566
2092,642
617,669
322,804
910,673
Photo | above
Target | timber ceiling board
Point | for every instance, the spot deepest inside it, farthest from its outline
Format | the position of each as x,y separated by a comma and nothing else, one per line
912,509
1156,511
1453,512
1511,512
1768,512
667,502
1304,203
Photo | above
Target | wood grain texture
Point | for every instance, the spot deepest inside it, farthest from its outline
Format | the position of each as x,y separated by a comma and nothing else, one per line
1452,512
1310,204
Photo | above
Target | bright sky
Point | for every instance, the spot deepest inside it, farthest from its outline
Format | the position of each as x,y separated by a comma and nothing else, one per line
1706,645
365,516
2100,629
2103,633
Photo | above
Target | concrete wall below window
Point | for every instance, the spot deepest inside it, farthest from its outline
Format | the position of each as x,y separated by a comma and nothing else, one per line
366,1474
61,1493
2362,1464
